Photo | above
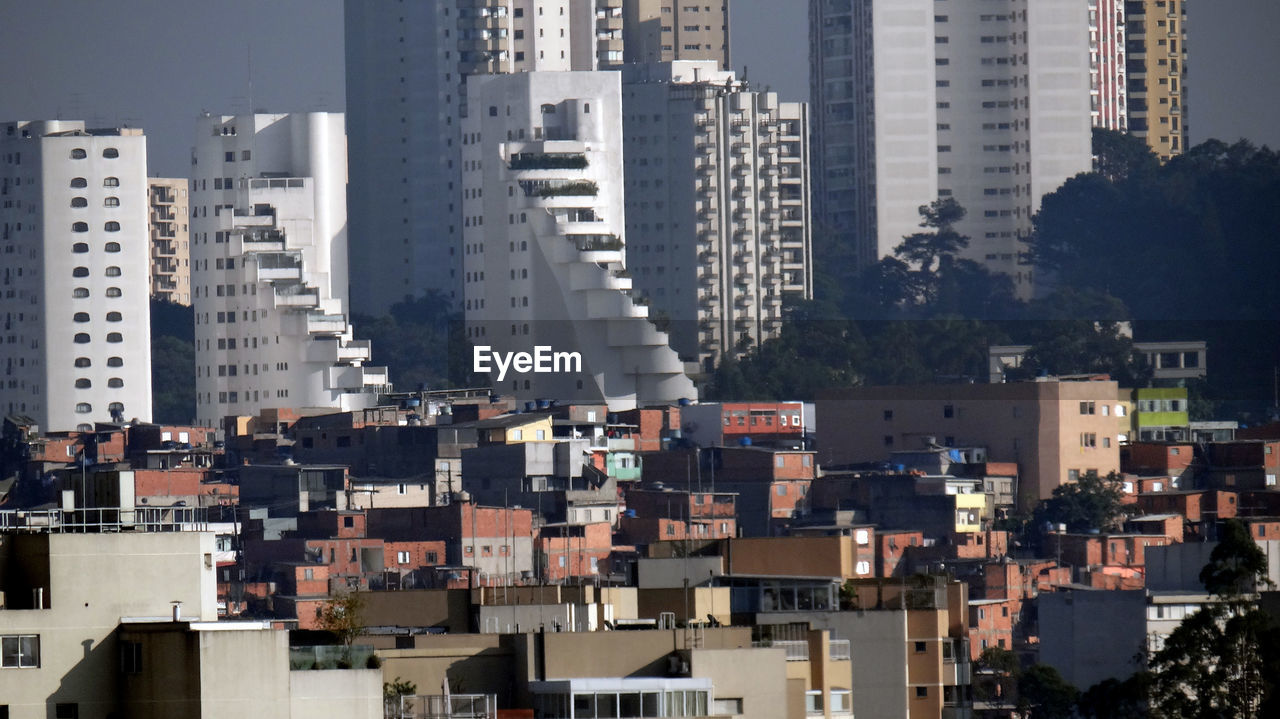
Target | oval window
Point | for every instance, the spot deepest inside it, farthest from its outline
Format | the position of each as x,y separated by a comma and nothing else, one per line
79,154
84,408
79,202
111,153
79,182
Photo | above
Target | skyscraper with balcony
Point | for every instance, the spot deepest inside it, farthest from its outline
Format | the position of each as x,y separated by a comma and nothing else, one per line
1157,73
170,248
717,193
917,100
669,30
407,71
76,347
1108,84
269,268
544,243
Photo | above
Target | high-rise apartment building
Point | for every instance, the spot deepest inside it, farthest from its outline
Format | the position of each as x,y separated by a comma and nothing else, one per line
717,193
269,268
170,249
917,100
668,30
544,249
1108,87
407,69
1157,73
76,347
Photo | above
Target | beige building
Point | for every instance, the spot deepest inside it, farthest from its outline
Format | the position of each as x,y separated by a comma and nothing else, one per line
170,253
1157,64
667,30
114,623
1055,430
908,653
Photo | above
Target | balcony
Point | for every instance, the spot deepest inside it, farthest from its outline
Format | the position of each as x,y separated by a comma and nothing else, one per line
452,706
329,657
796,651
548,161
840,650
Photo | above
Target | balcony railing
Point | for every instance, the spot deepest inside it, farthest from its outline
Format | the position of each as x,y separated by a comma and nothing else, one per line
451,706
840,650
329,657
105,519
797,651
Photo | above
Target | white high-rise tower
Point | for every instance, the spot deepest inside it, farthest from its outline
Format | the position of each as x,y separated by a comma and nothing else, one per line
916,100
269,268
544,249
76,346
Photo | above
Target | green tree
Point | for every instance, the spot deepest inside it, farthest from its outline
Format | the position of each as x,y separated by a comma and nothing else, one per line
1091,502
1223,660
1044,694
996,675
342,616
1115,699
1119,155
173,371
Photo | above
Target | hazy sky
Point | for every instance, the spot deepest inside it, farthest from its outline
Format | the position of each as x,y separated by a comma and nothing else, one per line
158,63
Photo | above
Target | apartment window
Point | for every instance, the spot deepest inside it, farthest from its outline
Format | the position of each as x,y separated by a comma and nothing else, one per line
84,408
81,338
66,711
1087,408
79,293
130,657
111,182
888,440
115,362
111,202
111,153
113,271
111,247
83,362
80,248
112,226
79,182
948,411
79,202
79,154
888,415
1088,439
83,383
780,461
922,692
80,227
114,337
920,647
402,557
113,292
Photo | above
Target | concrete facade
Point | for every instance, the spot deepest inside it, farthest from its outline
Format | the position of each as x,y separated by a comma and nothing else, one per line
717,189
1054,430
1157,64
269,268
668,30
543,165
988,106
75,283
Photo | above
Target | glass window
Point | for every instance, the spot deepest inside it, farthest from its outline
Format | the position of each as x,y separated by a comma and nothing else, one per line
110,153
80,272
83,362
111,182
79,154
111,202
115,383
115,362
80,227
79,202
79,182
114,317
82,338
112,226
84,408
83,383
21,651
80,248
112,247
114,337
80,317
113,292
79,293
113,271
